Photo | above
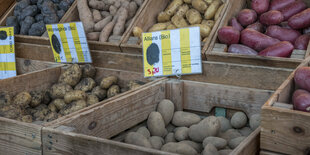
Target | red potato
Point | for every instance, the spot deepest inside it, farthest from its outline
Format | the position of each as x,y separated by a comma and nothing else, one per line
302,42
256,40
247,17
302,78
241,49
235,24
293,9
260,6
301,100
282,34
281,49
300,20
272,17
228,35
280,4
257,26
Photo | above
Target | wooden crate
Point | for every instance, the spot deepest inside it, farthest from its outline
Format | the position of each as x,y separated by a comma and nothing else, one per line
25,138
87,132
285,130
148,18
213,54
5,5
259,77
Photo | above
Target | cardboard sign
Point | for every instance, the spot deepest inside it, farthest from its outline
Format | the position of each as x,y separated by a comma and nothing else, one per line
172,52
7,53
69,43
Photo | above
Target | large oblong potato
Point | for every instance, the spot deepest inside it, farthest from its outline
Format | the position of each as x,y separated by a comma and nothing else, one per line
74,96
113,90
156,124
211,11
180,148
99,92
59,90
173,6
22,99
204,30
199,5
71,76
163,17
137,139
179,21
92,99
159,27
182,10
86,84
193,16
108,82
166,109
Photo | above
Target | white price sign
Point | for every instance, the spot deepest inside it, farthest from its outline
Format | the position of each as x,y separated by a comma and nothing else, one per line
7,53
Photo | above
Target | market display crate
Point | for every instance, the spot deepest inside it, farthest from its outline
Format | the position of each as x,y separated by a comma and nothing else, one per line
87,132
283,129
34,39
27,66
148,17
5,5
25,138
218,52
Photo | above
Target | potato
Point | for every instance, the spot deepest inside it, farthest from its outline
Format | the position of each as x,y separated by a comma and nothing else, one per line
300,78
233,143
196,146
108,82
36,98
260,6
51,116
181,133
77,105
22,99
219,143
156,124
96,4
230,134
102,23
27,119
159,27
5,99
181,118
193,16
170,138
210,149
171,26
238,120
188,1
91,99
204,30
301,100
52,107
225,152
137,32
209,23
199,5
180,148
173,6
137,139
228,35
170,127
119,26
86,84
93,36
209,126
272,17
132,9
282,34
300,20
134,84
179,21
182,10
113,91
279,4
163,17
292,9
257,26
71,76
74,95
255,121
281,49
235,24
218,12
97,16
211,11
302,42
156,142
144,131
59,90
99,92
88,70
247,17
59,103
85,15
241,49
166,109
225,123
245,131
256,40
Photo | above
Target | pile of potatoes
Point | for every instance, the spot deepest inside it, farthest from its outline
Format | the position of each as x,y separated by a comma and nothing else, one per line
187,133
30,16
106,20
185,13
75,89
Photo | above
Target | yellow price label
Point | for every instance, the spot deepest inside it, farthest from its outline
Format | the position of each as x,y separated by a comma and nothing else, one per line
7,53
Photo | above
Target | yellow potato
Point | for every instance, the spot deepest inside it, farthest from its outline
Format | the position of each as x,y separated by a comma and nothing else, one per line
205,39
182,10
74,96
86,84
158,27
179,21
108,82
59,103
218,12
209,23
71,76
188,1
92,99
199,5
173,6
209,14
163,17
204,30
193,16
59,90
99,92
36,99
113,90
22,99
137,32
209,1
27,119
171,26
52,107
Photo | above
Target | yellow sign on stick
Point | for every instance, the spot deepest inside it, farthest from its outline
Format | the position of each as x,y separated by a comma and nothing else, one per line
69,43
7,53
172,52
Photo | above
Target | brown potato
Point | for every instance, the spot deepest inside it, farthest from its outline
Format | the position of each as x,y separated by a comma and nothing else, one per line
88,70
163,17
59,103
137,139
193,16
204,30
74,96
22,99
27,119
5,99
52,107
113,90
179,21
173,6
209,23
99,92
159,27
36,99
51,116
166,109
108,82
71,76
209,126
86,84
171,26
156,124
211,11
59,90
182,10
179,148
199,5
92,99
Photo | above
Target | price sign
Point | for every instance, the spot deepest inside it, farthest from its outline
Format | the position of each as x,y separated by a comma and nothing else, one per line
172,52
7,53
69,43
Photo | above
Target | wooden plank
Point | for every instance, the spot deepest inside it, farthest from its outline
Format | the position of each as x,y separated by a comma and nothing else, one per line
57,142
174,91
24,66
248,146
5,5
264,152
203,97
